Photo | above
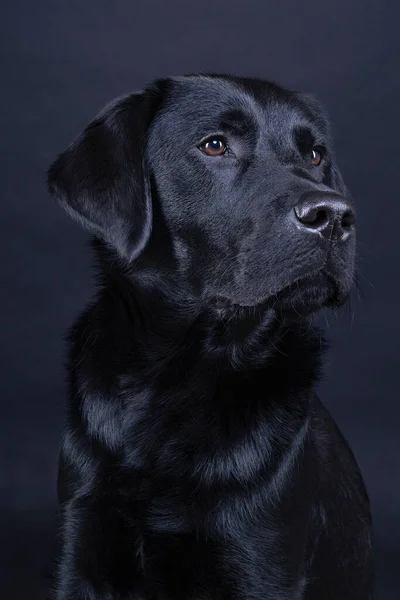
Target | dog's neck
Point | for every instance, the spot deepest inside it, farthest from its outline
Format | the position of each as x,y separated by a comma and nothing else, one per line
169,330
191,378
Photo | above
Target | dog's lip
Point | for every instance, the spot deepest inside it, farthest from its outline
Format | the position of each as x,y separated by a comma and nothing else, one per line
222,303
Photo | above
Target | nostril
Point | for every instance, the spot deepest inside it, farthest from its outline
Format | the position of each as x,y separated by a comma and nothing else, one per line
312,217
348,219
321,218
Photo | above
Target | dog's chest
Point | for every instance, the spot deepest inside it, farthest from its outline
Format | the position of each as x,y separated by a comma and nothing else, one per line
232,551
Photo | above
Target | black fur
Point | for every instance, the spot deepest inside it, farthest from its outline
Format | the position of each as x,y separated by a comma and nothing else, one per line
197,462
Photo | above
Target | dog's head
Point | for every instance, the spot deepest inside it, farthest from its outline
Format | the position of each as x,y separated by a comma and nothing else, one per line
241,176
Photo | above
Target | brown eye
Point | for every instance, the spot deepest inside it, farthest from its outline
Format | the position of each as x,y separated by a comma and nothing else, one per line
316,157
215,147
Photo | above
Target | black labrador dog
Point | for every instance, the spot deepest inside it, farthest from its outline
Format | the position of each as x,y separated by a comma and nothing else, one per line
197,461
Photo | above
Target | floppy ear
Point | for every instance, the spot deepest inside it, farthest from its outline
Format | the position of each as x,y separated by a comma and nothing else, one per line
101,179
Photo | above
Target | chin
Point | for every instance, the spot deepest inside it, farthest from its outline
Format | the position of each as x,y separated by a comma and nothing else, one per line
300,298
311,294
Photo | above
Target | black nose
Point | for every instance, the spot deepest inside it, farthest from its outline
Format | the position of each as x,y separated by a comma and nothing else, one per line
329,214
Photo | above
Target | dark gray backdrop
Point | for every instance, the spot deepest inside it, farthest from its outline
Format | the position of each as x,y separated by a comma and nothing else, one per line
61,61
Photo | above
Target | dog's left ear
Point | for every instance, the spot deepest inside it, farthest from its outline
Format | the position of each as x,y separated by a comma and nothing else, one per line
101,179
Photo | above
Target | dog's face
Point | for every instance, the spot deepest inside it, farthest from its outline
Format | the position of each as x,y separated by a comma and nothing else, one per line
241,174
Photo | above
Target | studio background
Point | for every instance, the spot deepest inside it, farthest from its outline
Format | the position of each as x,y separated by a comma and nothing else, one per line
60,63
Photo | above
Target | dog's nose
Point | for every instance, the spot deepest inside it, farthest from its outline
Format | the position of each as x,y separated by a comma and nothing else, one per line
329,214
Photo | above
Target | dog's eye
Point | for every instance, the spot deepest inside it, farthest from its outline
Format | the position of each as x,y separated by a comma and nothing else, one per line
316,157
214,147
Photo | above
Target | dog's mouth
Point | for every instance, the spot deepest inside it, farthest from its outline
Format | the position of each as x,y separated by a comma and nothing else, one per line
301,297
309,295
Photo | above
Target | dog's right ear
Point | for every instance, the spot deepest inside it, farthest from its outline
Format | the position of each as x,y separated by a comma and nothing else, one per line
102,179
